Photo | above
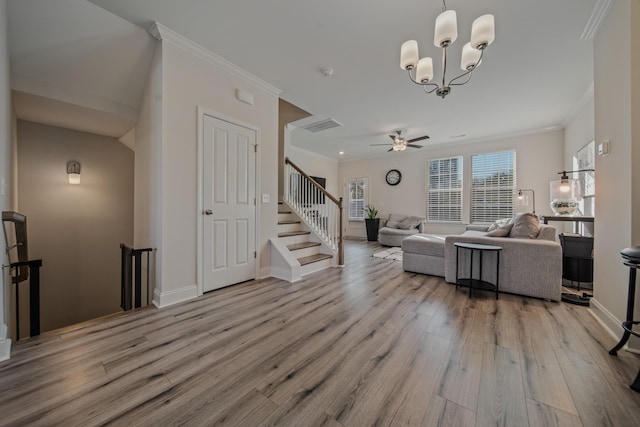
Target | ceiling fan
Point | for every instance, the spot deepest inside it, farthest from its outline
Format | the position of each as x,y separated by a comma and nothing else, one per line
400,144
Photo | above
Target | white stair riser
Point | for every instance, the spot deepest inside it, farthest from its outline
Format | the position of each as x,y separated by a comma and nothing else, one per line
306,251
315,266
284,217
290,240
285,228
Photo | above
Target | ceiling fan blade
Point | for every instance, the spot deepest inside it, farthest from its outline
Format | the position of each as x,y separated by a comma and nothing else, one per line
390,149
393,137
414,146
418,139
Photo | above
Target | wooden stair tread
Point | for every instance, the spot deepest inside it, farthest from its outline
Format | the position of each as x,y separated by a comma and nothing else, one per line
284,212
304,245
289,221
293,233
313,258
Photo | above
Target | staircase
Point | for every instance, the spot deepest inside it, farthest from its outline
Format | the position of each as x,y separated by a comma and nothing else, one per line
298,240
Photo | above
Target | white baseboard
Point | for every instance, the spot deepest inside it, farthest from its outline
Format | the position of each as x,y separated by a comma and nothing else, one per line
5,344
165,299
265,272
612,325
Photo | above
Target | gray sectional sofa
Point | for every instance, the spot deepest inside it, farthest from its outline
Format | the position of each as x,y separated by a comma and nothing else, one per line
528,266
397,227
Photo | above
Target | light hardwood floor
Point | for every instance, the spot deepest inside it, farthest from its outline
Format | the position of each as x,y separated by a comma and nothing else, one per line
363,345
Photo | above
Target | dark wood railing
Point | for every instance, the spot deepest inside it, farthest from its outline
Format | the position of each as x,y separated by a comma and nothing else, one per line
319,208
131,277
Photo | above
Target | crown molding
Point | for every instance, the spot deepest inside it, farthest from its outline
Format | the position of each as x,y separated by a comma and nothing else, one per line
163,33
600,11
586,97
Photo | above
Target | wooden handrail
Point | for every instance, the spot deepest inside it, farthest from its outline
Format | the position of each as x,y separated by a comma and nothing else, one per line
337,202
315,184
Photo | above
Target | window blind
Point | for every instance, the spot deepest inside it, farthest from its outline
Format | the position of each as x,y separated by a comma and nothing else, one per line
356,199
444,190
492,186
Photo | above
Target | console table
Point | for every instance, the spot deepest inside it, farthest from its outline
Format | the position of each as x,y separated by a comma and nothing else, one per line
583,262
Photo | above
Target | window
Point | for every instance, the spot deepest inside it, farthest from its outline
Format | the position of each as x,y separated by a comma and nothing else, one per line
492,186
356,188
444,190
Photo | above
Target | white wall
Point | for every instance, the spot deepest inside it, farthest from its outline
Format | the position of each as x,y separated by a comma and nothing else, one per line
75,229
147,223
189,81
6,172
538,158
616,95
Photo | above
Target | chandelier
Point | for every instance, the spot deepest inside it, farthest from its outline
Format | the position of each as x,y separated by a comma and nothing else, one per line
446,32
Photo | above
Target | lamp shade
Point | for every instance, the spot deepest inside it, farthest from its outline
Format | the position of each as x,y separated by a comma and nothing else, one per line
470,57
446,31
409,55
482,32
424,73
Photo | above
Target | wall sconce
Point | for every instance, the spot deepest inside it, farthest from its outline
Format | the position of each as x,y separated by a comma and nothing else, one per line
533,193
73,170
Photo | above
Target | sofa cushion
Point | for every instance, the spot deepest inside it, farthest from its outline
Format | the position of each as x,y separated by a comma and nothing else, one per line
525,226
424,244
501,232
410,222
499,223
395,220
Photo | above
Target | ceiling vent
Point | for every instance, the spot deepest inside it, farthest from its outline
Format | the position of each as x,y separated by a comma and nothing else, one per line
322,125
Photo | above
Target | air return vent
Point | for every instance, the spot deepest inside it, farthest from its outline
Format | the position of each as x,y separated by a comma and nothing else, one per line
321,125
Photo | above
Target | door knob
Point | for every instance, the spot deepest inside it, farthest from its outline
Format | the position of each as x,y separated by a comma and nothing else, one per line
208,212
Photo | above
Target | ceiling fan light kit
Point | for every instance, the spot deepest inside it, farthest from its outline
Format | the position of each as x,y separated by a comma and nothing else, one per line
401,144
446,32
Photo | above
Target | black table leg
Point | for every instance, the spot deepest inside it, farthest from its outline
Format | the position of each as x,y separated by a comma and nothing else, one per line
635,386
630,306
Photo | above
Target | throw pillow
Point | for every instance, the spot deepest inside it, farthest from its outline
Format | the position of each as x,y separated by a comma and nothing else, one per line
501,232
409,223
499,223
394,221
525,226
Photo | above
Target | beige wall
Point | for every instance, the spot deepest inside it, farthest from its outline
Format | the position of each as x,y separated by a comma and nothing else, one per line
316,165
538,158
188,82
616,95
6,173
287,113
75,229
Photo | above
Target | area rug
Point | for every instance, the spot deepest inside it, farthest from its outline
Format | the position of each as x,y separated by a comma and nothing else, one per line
391,253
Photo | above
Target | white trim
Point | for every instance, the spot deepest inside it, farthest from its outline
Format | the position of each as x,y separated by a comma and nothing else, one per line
459,142
584,99
610,323
165,299
163,33
201,112
5,344
600,11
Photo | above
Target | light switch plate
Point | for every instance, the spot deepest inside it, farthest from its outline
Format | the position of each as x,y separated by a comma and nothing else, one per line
266,198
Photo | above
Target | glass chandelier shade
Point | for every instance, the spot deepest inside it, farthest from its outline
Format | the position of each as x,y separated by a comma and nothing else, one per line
446,33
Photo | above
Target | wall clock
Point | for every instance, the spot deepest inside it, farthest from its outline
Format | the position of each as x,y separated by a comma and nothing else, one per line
393,177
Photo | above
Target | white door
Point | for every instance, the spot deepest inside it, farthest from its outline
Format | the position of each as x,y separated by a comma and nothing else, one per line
229,208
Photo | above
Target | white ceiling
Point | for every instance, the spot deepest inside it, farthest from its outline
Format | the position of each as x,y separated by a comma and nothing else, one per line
532,76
